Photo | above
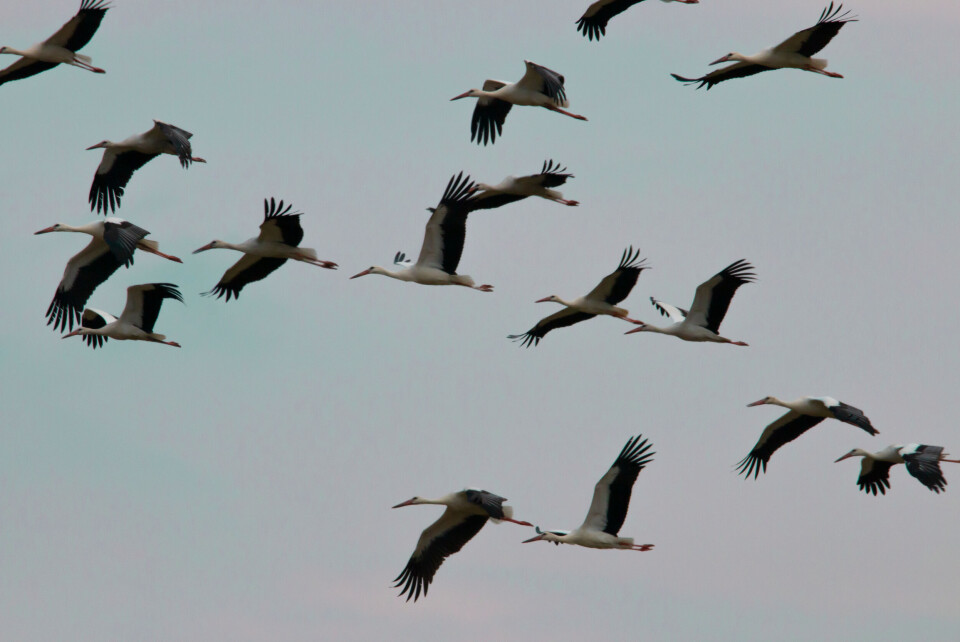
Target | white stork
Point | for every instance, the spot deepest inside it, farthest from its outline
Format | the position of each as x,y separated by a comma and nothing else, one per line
61,47
513,188
135,323
279,238
805,413
710,304
793,53
611,499
614,288
539,87
467,511
121,160
593,22
114,241
442,242
923,462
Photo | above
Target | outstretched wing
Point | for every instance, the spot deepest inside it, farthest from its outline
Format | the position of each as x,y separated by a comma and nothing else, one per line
811,40
736,70
561,319
782,431
593,22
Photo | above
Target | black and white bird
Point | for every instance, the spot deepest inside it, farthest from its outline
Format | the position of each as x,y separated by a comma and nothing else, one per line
61,47
136,321
442,242
593,22
114,241
796,52
805,413
602,299
121,160
514,188
709,307
467,511
923,462
608,510
279,238
539,87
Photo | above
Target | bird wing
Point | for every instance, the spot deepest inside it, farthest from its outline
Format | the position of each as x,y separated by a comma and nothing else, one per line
95,319
247,270
179,138
279,226
736,70
593,22
438,541
446,229
561,319
552,175
144,301
492,504
121,237
809,41
24,68
713,296
874,476
782,431
611,495
672,312
924,464
85,271
488,200
546,81
850,415
615,287
489,115
78,30
112,175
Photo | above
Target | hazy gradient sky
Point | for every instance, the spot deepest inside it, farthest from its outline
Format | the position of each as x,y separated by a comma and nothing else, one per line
239,488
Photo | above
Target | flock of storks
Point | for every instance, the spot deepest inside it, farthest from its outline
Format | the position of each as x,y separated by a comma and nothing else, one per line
115,241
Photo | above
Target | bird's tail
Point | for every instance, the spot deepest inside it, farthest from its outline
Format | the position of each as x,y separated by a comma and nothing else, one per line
82,58
149,244
507,513
463,279
309,252
818,63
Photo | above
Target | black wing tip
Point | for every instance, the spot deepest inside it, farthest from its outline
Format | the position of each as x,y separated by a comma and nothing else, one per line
831,15
219,290
458,189
272,209
629,260
95,5
413,584
741,271
636,452
690,81
591,29
751,465
526,340
551,167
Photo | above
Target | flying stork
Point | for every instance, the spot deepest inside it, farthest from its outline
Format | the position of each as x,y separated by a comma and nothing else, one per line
279,238
135,323
710,304
593,22
442,242
611,499
614,288
805,413
114,241
795,52
923,462
513,188
61,47
121,160
539,87
467,511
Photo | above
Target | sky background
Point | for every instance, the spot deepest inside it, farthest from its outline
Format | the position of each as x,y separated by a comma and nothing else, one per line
239,488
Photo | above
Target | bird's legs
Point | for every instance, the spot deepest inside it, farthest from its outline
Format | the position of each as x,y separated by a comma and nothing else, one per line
483,288
166,343
641,547
516,521
159,253
197,160
821,71
732,342
565,113
79,63
563,201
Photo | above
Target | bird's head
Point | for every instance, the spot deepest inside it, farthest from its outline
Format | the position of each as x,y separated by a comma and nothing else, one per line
730,57
468,94
102,144
856,452
546,536
761,402
641,327
56,227
81,331
4,50
373,269
413,501
209,246
553,298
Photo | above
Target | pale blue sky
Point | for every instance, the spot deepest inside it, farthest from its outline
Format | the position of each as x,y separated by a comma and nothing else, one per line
239,488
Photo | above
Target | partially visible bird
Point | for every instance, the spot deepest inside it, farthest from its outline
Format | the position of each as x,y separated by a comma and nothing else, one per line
921,461
593,22
114,241
539,87
513,188
135,323
279,238
121,160
61,47
805,413
467,511
602,299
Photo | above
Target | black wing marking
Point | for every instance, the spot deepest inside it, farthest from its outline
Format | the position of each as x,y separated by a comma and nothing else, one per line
87,22
663,311
739,70
553,174
153,299
180,139
924,464
731,278
287,224
629,463
91,319
457,201
561,319
246,270
488,117
431,551
24,68
486,500
593,25
874,476
782,431
625,276
107,188
854,416
552,83
122,239
828,26
67,304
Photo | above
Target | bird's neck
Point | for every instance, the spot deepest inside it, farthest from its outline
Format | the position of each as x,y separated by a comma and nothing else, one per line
401,275
15,52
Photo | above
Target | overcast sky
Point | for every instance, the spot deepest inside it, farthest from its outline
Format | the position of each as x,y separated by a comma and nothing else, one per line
240,488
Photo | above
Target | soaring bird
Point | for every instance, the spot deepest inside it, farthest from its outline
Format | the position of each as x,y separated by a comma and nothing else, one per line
602,299
114,241
710,304
805,413
611,499
795,52
539,87
467,511
135,323
513,188
61,47
923,462
593,22
121,160
279,238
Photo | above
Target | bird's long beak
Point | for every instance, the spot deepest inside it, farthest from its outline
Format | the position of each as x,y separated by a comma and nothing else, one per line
45,230
719,60
72,334
364,273
533,539
543,300
97,146
208,246
409,502
757,403
639,328
848,455
463,95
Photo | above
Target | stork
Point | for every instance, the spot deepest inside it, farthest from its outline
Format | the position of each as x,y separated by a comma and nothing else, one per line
710,304
114,241
921,461
614,288
593,22
611,499
467,511
539,87
61,47
512,188
796,52
136,321
279,238
805,413
121,160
